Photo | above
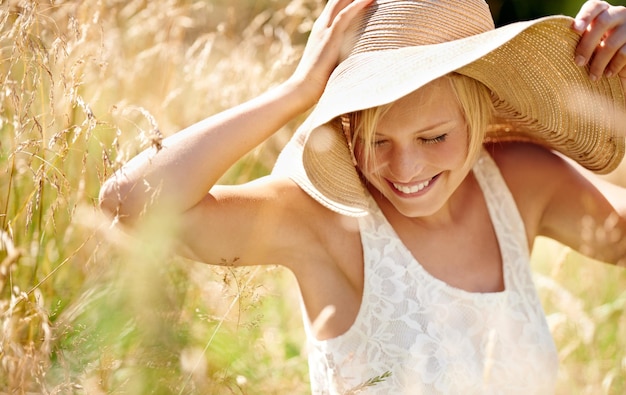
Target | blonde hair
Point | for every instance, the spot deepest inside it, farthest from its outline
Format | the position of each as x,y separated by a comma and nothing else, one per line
476,106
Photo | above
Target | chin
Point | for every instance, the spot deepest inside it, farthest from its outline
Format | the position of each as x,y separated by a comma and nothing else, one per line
417,210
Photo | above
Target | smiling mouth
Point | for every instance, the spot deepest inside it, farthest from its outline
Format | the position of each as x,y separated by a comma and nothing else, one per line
412,189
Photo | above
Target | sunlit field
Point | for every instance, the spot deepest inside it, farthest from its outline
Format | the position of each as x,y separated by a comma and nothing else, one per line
86,309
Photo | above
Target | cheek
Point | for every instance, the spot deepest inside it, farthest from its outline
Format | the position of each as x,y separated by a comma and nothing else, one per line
455,151
361,156
359,153
368,161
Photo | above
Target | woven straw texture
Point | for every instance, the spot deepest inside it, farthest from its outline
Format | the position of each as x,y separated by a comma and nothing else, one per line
396,47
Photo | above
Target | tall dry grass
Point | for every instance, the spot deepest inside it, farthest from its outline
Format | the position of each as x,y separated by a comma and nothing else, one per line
85,85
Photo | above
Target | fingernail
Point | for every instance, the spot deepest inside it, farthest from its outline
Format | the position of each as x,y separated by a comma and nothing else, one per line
579,25
608,74
593,77
580,60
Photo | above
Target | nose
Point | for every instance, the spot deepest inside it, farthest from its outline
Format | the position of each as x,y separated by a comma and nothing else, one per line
405,163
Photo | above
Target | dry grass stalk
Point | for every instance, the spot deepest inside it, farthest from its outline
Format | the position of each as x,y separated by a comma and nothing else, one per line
84,85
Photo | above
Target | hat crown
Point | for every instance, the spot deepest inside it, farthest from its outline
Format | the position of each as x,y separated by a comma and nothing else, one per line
540,95
392,24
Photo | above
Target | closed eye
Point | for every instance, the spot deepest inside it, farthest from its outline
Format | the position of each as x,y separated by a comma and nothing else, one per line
434,140
378,143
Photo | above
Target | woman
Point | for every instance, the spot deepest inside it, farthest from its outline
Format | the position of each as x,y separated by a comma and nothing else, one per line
408,201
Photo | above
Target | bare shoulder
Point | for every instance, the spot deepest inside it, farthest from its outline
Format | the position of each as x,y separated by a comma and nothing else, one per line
527,167
280,193
534,175
283,200
519,161
560,200
267,221
327,237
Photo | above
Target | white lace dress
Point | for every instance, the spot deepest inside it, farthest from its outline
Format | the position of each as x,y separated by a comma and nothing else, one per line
415,334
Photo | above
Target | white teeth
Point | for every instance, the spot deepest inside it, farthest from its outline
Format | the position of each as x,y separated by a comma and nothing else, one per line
412,189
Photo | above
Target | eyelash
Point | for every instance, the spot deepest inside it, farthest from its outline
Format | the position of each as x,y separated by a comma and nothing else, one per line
378,143
434,140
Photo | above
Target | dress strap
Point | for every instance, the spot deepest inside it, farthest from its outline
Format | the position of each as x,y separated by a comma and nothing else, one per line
505,216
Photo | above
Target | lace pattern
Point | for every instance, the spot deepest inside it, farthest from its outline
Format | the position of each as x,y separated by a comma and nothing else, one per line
415,334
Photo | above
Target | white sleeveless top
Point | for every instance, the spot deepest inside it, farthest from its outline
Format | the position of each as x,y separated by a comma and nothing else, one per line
415,334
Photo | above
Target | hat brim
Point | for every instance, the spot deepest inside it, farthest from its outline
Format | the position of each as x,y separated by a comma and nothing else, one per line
542,96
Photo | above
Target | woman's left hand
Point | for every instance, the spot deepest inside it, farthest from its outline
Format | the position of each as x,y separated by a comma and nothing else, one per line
603,42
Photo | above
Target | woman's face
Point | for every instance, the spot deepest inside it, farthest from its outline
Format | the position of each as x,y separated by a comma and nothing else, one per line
419,151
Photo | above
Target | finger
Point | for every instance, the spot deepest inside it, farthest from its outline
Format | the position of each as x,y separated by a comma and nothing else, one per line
608,56
336,7
588,12
592,36
327,14
347,13
617,43
333,7
617,62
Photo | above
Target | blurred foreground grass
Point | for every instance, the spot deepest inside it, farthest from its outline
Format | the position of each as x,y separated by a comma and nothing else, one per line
87,310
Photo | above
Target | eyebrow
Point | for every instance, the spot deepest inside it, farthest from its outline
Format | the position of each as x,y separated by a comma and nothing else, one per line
436,125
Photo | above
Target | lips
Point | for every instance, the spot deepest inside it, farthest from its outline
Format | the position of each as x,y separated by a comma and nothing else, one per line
410,189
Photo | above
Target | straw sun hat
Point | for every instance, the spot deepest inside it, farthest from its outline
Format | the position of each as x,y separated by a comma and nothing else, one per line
539,93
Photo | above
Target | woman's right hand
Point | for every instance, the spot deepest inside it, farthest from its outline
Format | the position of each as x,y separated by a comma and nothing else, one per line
321,53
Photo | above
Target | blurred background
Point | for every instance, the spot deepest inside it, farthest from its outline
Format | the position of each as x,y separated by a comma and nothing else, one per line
87,84
507,11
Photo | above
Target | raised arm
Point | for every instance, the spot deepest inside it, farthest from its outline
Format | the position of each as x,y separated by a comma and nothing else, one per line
584,211
191,161
559,199
246,224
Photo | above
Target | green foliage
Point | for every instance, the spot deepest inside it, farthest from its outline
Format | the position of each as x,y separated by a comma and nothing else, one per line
507,11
